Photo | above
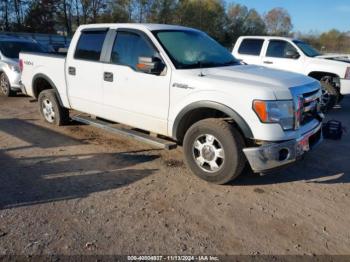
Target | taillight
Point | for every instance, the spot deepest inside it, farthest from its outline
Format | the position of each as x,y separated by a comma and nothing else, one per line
347,74
20,64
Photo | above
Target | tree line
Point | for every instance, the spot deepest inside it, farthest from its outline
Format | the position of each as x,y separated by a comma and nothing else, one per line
224,22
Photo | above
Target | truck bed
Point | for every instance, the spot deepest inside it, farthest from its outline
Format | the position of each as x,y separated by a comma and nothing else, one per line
52,66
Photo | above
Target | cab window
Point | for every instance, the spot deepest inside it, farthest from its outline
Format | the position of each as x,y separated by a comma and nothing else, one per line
90,45
128,47
251,47
280,49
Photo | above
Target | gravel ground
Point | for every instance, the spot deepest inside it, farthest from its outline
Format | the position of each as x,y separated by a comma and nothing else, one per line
79,190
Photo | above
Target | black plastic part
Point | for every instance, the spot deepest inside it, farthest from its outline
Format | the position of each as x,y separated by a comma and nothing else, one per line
333,129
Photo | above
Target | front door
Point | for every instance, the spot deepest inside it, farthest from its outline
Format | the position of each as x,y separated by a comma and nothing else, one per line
131,96
279,56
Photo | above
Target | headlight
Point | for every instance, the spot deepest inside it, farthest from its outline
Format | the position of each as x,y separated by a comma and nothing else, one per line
14,68
280,112
347,73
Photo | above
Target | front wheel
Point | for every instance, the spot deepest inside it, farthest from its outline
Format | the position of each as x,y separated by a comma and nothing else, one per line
213,150
5,86
51,110
330,94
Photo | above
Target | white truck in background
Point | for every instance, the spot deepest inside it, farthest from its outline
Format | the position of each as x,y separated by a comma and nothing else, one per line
180,84
297,56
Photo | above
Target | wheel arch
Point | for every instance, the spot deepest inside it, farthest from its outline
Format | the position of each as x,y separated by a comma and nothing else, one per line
319,74
205,109
47,83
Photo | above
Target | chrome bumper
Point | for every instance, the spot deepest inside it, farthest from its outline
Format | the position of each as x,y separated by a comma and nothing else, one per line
273,155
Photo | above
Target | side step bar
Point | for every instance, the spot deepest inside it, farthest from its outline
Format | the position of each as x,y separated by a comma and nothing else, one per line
139,136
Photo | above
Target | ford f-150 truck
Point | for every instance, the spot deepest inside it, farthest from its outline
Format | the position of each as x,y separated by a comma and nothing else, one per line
178,83
297,56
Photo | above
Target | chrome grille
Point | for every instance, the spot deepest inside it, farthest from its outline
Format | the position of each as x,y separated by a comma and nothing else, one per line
306,103
310,106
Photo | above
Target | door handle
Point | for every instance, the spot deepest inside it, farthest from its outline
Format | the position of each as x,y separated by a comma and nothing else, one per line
268,62
71,70
108,76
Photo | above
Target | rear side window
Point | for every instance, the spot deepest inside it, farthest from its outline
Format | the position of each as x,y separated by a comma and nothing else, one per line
279,49
90,45
251,47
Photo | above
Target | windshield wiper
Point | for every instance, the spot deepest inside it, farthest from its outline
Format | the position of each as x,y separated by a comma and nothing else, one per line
232,62
201,64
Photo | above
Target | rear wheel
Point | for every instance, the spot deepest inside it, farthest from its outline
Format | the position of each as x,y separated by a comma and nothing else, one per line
213,150
51,110
330,94
5,86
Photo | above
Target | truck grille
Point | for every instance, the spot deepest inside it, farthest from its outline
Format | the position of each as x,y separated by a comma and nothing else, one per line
307,100
310,106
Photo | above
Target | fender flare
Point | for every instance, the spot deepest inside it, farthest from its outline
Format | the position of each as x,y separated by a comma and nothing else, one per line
242,124
40,75
322,73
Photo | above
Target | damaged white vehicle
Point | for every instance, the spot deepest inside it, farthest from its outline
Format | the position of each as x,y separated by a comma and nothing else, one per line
179,86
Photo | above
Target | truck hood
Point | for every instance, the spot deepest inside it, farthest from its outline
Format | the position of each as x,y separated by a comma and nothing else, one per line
277,81
342,58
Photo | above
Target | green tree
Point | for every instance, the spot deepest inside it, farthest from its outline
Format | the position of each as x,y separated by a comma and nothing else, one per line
254,24
278,22
242,21
334,41
162,11
40,16
207,15
118,12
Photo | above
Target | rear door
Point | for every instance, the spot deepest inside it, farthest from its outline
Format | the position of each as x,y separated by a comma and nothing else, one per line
84,72
133,97
249,51
276,56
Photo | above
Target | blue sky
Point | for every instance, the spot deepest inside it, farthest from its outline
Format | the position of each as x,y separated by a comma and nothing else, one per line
307,15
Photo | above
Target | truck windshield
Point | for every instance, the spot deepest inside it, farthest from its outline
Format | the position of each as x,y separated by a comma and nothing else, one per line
307,49
11,49
189,49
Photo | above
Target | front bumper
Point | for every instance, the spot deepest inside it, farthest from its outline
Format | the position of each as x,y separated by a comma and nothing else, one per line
345,86
273,155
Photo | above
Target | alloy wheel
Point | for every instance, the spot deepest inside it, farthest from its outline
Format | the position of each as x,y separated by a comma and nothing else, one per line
208,153
48,110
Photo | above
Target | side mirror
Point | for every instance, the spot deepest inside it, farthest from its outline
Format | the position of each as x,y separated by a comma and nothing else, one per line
150,65
292,54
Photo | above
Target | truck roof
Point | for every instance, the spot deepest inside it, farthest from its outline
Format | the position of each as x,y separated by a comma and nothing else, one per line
268,37
140,26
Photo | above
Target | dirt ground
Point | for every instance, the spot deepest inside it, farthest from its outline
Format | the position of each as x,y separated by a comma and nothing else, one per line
79,190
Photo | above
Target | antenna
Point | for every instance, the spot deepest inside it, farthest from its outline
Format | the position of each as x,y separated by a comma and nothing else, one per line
200,68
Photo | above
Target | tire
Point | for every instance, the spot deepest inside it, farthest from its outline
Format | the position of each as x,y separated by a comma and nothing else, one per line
5,87
213,150
51,110
330,94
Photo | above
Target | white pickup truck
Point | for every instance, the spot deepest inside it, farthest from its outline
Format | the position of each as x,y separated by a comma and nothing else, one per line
180,84
297,56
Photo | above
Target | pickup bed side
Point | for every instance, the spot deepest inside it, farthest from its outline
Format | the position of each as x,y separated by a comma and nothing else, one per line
44,71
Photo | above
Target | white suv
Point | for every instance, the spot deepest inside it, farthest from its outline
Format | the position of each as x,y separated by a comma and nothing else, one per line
10,74
296,56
